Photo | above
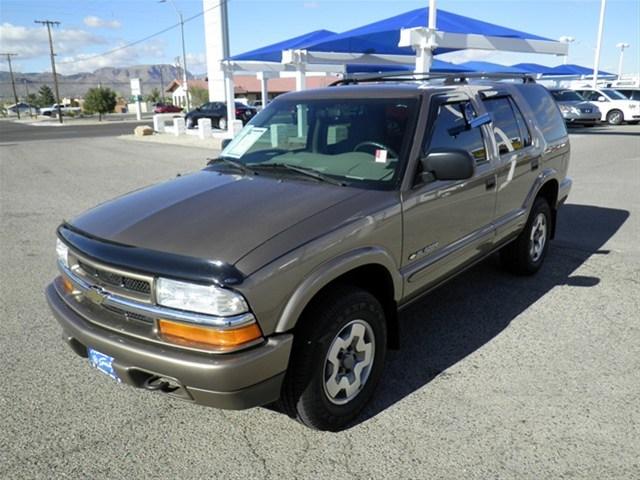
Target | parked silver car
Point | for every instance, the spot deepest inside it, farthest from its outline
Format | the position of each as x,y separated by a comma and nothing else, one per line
574,108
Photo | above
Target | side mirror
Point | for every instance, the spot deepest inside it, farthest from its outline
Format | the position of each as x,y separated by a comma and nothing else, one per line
448,164
225,142
602,99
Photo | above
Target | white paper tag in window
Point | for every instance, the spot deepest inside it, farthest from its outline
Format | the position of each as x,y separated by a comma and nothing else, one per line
381,156
243,142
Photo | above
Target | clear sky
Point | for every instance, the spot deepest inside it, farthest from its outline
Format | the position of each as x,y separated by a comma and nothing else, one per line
90,27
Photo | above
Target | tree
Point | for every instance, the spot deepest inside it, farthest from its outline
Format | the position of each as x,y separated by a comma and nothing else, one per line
100,101
154,96
198,95
32,99
45,97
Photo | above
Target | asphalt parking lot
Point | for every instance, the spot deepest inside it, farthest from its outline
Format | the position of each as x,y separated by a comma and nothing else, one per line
498,377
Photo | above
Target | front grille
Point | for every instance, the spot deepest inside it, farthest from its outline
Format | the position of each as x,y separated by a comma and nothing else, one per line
129,315
116,280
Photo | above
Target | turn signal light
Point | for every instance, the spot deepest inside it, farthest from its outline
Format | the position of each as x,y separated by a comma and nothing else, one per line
208,337
67,285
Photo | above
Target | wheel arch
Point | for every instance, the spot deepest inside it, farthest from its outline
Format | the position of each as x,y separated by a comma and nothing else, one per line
549,191
371,269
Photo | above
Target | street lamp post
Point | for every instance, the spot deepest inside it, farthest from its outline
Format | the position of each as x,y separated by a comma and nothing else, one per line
184,54
621,46
568,40
596,60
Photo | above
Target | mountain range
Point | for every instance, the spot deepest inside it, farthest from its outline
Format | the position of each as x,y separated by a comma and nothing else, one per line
76,85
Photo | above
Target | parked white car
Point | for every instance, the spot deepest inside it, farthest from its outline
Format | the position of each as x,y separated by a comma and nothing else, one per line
615,107
53,110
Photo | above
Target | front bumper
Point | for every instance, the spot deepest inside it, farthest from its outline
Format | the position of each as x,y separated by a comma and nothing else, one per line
232,381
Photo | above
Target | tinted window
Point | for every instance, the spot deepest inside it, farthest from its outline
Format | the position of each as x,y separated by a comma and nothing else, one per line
590,95
566,96
545,111
613,94
507,131
450,131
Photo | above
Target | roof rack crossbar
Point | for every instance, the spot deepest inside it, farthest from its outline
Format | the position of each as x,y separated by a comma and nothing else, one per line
450,78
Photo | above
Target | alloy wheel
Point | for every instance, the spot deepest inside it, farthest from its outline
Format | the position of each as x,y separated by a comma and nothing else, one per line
348,362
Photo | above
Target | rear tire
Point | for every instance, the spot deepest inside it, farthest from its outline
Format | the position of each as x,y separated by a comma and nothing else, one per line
615,117
525,255
337,359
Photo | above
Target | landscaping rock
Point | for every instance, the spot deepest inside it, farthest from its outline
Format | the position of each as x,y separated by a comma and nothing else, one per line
143,131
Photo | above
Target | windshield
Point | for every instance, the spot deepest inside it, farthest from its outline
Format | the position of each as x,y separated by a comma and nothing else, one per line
613,94
360,142
566,96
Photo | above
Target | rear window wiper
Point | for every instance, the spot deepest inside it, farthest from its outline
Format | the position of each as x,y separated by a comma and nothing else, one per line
308,172
237,165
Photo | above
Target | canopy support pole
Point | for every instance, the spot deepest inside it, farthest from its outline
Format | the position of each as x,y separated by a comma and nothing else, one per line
230,96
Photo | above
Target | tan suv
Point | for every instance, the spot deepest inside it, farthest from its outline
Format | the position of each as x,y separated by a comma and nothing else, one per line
276,273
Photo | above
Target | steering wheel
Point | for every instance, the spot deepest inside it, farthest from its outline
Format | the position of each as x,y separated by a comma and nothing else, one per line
377,145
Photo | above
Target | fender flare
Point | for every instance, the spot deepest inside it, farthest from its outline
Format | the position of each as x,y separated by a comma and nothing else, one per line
329,271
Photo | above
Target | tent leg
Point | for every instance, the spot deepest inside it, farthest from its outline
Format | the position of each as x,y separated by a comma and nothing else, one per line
301,79
264,92
230,97
424,59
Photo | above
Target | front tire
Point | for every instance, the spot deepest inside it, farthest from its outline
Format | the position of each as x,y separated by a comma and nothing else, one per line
525,255
615,117
222,123
337,359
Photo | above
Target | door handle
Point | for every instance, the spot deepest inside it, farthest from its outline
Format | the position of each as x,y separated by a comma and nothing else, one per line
491,182
535,163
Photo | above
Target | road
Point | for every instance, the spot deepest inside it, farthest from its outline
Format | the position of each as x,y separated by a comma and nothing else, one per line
498,376
20,132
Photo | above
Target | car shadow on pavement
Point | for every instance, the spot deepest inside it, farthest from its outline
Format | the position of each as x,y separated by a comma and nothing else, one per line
608,131
468,312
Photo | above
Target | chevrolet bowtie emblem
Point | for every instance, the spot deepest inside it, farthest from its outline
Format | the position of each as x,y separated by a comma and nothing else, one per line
96,295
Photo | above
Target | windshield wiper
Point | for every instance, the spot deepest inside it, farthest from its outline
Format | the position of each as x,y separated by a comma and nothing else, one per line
237,165
308,172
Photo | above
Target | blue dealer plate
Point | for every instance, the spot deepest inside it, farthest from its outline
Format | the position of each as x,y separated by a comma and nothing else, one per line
102,362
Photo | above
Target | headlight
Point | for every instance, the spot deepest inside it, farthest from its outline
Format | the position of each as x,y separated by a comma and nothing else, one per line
63,253
564,108
207,299
575,110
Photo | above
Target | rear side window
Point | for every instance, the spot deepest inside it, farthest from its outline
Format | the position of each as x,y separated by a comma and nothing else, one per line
545,111
509,127
450,131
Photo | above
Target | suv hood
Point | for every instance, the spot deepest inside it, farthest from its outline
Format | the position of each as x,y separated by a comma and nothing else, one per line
210,214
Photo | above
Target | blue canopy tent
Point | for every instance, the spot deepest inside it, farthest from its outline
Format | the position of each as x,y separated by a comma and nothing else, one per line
273,52
489,67
382,37
400,38
438,66
534,68
572,70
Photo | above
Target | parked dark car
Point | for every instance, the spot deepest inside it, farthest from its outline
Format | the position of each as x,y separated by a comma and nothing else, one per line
217,112
575,109
276,273
166,108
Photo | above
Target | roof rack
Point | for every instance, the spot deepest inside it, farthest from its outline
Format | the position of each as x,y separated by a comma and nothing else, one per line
449,78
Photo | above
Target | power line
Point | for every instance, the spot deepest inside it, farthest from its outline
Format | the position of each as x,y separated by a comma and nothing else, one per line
137,42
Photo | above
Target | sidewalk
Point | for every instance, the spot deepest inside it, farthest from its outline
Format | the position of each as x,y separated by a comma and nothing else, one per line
213,143
88,120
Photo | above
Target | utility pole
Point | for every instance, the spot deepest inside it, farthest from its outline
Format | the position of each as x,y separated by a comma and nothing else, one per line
184,53
26,93
13,81
161,85
48,23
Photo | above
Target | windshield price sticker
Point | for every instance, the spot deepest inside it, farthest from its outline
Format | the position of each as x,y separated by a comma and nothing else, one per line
243,142
381,156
